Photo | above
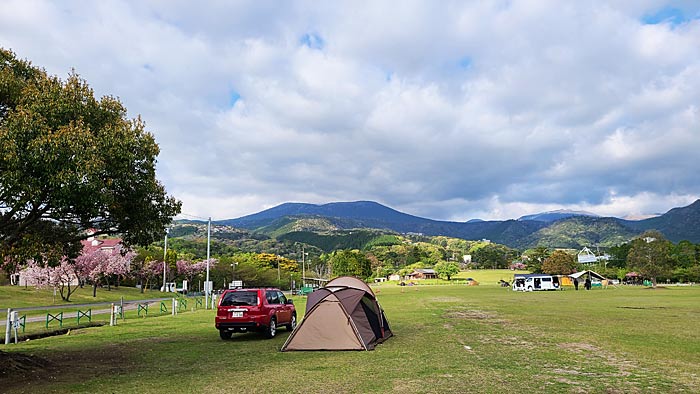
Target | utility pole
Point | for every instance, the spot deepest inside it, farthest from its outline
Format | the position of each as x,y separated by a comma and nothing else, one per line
303,267
165,255
207,287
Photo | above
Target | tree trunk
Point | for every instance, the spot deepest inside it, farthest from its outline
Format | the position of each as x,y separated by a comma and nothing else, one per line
94,289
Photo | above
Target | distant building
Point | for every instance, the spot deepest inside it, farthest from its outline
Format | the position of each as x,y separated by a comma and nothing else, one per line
91,243
423,274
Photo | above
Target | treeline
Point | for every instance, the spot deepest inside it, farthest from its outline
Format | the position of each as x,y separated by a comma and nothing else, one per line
371,253
650,256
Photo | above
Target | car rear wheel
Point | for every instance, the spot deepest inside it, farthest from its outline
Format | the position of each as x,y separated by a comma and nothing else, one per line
293,323
271,328
225,334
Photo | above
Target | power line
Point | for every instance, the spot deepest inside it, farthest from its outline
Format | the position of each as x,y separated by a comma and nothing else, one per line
191,216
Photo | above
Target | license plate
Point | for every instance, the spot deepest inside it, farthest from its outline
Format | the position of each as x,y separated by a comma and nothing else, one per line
236,314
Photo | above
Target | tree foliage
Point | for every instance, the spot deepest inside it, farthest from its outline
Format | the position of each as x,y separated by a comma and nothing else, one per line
650,255
70,162
536,257
560,263
491,255
350,262
446,269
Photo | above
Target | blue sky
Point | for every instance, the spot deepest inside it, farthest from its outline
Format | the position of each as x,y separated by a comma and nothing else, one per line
452,110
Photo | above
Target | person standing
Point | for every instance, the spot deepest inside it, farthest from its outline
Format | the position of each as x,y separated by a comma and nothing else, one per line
576,283
588,284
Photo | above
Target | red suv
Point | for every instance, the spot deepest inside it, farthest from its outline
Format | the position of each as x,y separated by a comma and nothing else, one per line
243,310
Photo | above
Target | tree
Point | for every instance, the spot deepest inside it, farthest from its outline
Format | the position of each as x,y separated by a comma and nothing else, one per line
535,258
350,262
152,272
99,265
189,269
70,162
64,277
650,255
685,254
618,255
492,255
446,269
559,262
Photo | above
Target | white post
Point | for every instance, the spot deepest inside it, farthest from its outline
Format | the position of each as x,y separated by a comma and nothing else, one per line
174,307
8,328
15,324
206,288
111,316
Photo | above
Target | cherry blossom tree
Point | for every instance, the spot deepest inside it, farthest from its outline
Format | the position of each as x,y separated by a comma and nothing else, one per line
63,277
101,265
190,270
153,270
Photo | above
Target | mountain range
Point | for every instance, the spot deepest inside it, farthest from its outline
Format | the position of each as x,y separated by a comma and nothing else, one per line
561,229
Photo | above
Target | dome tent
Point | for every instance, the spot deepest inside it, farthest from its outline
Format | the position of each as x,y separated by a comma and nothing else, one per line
343,315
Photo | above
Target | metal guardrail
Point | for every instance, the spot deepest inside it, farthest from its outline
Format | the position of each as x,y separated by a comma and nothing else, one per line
140,306
88,305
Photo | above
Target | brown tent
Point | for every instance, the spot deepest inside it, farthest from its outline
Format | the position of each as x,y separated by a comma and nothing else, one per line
343,315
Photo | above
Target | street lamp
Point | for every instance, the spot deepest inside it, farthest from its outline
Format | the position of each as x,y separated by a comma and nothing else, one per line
233,272
303,267
165,255
278,270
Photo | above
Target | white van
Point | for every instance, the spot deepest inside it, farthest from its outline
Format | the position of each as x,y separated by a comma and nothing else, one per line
535,282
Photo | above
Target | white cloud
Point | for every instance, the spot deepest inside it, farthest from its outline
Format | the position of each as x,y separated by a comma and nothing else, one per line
488,109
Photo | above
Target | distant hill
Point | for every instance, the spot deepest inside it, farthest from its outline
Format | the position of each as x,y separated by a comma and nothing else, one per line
677,224
559,214
565,229
578,231
358,214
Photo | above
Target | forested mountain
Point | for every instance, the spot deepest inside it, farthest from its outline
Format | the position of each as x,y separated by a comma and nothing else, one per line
559,214
576,230
677,224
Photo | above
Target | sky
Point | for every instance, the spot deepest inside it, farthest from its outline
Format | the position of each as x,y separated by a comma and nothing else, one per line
450,110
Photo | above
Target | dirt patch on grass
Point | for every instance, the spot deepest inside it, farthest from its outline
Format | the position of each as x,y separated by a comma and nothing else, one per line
19,363
624,367
23,372
475,314
445,299
506,340
580,347
470,314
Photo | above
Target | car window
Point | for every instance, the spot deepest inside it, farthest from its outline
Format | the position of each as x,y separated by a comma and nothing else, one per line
272,297
232,298
283,299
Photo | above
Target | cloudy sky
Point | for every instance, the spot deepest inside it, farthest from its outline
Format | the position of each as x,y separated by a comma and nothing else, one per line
447,110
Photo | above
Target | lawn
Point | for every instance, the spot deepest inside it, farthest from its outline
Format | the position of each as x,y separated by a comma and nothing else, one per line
450,338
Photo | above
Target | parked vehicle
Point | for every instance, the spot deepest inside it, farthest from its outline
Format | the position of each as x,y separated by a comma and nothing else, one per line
535,282
262,310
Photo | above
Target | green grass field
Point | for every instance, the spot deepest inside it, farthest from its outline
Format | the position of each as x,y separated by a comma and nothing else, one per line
450,338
